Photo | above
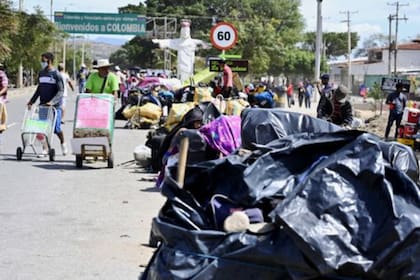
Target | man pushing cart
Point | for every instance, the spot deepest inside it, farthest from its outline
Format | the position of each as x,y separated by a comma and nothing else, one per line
40,123
94,117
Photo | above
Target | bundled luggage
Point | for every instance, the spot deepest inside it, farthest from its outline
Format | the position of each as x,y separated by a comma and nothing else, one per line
234,107
176,113
335,204
203,94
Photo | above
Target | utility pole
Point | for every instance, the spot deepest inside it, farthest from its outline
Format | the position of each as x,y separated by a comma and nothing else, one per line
390,43
51,11
83,50
397,18
318,42
349,79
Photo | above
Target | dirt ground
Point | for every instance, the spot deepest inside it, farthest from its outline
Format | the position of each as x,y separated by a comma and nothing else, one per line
375,120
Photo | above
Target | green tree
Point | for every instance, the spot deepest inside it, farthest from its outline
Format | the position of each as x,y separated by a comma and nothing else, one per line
335,43
120,58
376,40
267,29
377,94
300,62
35,35
8,28
133,9
138,51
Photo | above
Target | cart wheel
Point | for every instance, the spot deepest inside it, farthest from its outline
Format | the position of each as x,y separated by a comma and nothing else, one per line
79,161
19,153
51,154
110,160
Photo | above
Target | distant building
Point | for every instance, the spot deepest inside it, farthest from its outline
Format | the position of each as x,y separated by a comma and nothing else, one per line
367,70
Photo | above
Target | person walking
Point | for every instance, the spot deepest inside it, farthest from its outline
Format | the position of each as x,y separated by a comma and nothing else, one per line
67,82
122,80
301,93
397,102
227,80
82,77
50,92
289,92
103,81
308,94
325,91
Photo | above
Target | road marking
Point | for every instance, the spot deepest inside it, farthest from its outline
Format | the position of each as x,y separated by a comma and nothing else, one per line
12,124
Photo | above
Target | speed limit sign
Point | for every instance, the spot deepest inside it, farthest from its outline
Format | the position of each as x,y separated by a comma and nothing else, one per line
223,36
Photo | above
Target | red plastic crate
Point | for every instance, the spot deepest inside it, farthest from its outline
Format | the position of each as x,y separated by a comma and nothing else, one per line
409,130
411,115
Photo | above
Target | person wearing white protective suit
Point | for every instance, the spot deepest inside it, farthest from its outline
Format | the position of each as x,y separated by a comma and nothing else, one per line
185,46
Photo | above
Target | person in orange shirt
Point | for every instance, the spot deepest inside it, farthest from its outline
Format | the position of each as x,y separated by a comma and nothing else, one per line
227,81
290,97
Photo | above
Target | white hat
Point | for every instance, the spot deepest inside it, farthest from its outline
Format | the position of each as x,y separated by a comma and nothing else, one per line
103,63
117,68
83,65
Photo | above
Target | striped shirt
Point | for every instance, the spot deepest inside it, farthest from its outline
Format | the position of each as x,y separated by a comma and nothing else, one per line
50,87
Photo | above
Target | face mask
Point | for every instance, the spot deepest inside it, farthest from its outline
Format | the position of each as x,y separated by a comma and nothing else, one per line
44,64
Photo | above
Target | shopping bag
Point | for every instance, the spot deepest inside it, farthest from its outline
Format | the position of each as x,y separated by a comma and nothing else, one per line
3,117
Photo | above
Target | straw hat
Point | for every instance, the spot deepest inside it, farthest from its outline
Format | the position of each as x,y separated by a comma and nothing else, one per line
103,63
341,92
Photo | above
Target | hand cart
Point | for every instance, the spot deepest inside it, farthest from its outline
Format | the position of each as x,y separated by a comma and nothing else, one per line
93,128
38,130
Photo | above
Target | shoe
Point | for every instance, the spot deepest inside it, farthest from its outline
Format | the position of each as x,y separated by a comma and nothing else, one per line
64,149
43,154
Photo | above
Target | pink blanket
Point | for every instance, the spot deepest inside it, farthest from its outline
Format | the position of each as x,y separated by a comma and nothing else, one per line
93,113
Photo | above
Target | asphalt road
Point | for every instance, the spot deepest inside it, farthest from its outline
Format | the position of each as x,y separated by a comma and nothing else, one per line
60,222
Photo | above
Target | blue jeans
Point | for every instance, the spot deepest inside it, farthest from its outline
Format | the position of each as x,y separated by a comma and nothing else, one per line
43,115
82,85
393,117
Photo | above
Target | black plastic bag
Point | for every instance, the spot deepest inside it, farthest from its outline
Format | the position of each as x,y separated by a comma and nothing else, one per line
345,205
261,126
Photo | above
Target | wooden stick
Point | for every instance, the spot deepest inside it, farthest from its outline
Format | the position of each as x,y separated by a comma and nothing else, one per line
182,162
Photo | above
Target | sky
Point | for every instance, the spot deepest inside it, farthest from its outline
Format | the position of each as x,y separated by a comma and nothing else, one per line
367,16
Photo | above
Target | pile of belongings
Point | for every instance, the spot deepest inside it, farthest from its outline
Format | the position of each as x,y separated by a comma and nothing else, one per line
301,199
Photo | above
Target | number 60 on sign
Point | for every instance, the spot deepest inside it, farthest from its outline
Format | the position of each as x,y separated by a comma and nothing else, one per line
223,36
